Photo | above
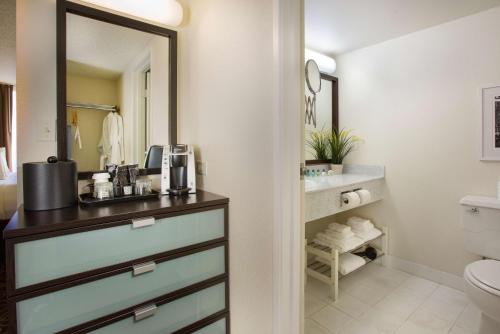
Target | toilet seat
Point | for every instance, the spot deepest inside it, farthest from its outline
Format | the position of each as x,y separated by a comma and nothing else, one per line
485,275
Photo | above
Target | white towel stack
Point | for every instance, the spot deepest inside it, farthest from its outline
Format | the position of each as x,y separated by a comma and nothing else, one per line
363,228
349,262
340,237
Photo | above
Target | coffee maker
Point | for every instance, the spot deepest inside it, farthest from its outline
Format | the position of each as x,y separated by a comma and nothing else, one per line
178,170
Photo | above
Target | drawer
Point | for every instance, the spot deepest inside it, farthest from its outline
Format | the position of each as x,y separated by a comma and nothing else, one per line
60,256
79,304
218,327
172,316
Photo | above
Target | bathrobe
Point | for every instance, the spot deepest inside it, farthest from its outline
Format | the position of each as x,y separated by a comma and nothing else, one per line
111,145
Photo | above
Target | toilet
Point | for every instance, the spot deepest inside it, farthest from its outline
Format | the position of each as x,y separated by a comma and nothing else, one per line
481,222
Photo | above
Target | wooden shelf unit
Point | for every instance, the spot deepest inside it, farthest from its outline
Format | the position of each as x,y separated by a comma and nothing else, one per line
326,268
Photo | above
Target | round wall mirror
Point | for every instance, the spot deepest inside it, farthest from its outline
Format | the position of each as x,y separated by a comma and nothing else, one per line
313,76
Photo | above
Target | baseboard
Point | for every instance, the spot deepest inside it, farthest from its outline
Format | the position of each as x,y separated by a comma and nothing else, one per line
420,270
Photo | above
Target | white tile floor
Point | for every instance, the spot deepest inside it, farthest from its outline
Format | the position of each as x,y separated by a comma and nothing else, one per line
380,300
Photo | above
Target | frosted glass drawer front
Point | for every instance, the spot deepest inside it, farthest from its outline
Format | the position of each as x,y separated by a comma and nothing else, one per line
73,306
175,315
46,259
218,327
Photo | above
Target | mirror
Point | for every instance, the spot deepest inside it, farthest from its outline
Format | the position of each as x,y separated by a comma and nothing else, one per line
119,84
326,111
313,76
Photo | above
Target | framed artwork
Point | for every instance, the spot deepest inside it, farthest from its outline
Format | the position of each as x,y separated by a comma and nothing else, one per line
490,97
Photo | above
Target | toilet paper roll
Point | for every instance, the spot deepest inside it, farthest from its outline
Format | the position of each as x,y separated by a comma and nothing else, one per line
364,195
350,200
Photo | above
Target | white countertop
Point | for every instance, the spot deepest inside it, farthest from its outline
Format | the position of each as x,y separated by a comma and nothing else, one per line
320,183
480,201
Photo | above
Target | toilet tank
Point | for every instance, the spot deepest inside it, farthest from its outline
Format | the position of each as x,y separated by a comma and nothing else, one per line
480,218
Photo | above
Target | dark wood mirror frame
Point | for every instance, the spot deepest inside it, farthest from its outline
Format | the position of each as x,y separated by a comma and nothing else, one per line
335,111
64,7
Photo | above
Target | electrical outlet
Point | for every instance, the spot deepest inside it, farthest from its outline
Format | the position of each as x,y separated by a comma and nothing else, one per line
201,168
46,130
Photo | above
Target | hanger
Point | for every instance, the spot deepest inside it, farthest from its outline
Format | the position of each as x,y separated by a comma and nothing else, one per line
74,118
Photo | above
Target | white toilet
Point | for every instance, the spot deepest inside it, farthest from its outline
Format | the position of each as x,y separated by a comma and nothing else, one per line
481,221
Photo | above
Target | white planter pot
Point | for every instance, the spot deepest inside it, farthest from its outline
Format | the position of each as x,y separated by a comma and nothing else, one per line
337,169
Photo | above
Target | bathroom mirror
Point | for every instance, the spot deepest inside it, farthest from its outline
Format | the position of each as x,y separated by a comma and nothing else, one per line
327,112
313,76
116,88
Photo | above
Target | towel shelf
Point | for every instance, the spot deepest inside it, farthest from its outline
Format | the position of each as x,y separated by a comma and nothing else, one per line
325,251
326,269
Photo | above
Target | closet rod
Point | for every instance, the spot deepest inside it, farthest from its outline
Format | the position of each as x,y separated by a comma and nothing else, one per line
104,107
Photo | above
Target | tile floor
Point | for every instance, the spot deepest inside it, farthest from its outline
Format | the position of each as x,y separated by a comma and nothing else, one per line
376,300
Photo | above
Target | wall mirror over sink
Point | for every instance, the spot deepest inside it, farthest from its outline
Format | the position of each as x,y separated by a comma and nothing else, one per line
322,107
117,87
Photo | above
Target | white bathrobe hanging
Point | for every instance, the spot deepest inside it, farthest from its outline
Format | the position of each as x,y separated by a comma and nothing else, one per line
111,145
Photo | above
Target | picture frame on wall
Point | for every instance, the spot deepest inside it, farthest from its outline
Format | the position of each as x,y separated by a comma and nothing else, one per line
490,99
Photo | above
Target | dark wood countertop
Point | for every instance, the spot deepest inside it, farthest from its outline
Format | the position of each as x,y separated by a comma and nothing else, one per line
26,223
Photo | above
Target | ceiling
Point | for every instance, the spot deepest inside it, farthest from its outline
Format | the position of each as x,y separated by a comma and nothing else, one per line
333,27
103,45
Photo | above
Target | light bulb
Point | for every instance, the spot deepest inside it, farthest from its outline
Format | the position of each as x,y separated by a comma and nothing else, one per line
168,12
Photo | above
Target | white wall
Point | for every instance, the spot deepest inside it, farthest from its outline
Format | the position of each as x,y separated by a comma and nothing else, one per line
225,108
414,100
8,41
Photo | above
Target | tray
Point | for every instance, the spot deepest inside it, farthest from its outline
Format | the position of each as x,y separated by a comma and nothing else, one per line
86,200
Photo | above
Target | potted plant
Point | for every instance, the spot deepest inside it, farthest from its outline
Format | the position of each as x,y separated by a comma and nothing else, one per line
318,142
340,144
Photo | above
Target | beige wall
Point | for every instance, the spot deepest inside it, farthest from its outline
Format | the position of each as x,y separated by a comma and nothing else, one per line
156,56
415,102
8,41
36,77
94,91
225,108
158,124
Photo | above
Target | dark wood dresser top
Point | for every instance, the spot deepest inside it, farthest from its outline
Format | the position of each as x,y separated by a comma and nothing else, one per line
26,223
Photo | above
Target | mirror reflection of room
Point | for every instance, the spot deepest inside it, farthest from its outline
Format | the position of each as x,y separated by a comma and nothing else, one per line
117,93
321,112
8,114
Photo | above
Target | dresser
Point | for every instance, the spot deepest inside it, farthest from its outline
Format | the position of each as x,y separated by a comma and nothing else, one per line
154,266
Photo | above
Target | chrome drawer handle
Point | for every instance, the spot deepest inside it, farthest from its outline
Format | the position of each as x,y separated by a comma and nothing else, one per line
144,312
138,223
143,268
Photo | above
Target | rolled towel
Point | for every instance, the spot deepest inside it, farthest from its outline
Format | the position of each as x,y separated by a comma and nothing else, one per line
369,235
360,224
340,228
349,262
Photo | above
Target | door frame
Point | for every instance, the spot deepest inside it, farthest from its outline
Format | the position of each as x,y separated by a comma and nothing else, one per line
288,229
